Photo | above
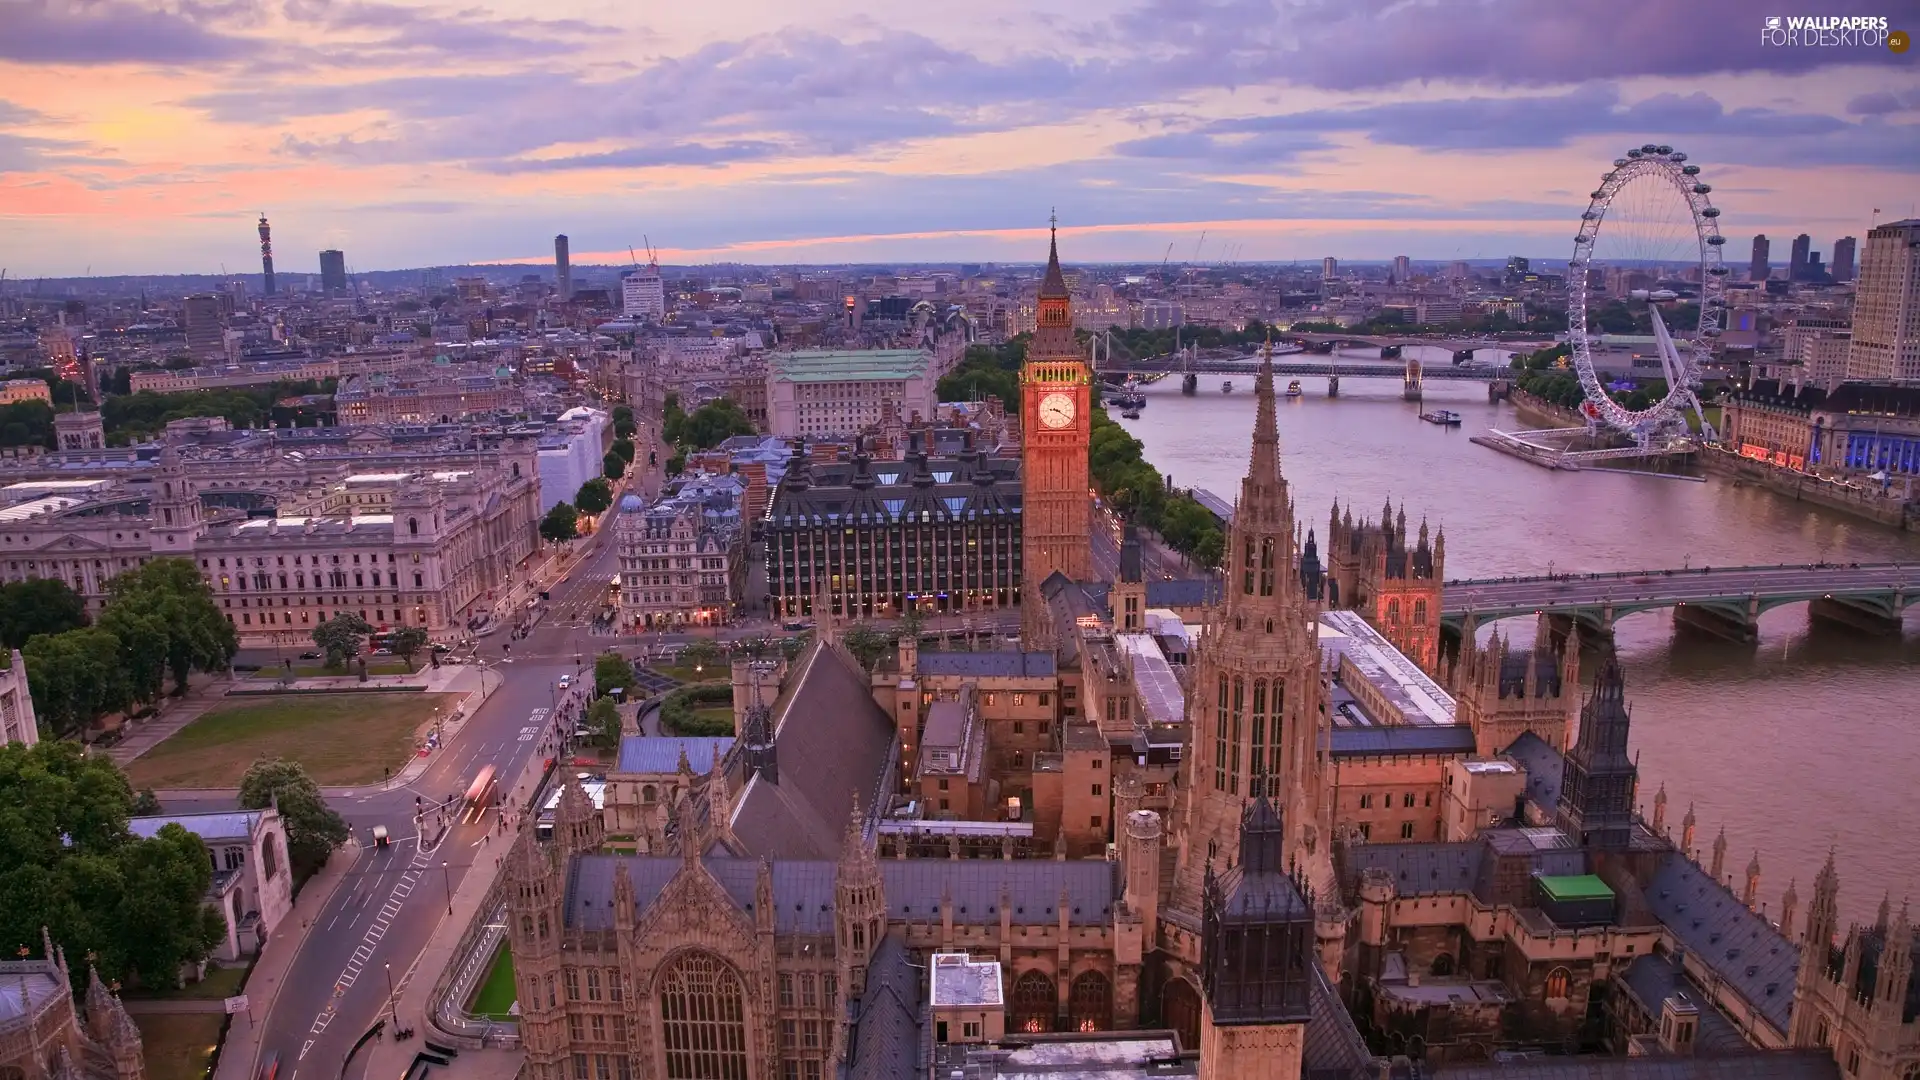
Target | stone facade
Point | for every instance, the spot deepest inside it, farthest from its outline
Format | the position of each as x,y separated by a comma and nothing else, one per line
1371,569
44,1035
17,720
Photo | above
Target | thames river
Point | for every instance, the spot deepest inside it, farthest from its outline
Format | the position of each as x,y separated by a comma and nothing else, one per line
1807,740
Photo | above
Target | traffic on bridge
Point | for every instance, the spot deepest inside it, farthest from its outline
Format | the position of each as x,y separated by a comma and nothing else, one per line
1722,600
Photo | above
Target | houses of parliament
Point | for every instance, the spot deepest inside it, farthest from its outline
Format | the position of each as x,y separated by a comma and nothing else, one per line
1265,826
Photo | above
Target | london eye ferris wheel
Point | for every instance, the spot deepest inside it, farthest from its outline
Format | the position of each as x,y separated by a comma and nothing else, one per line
1650,231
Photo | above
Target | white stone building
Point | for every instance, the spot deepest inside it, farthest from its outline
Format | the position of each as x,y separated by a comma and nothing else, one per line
824,394
252,883
17,721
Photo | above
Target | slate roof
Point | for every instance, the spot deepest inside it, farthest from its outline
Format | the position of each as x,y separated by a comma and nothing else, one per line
802,889
230,825
1424,869
1334,1048
1738,945
1183,592
1403,739
834,746
1765,1065
1545,769
1651,979
887,1029
661,754
1009,663
914,888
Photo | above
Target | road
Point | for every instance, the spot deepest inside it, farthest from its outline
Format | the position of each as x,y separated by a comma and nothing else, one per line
1653,588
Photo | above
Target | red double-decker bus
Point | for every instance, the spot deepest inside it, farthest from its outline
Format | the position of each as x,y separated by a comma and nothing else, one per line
480,796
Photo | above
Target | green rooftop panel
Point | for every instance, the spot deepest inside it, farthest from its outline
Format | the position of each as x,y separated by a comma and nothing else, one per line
1568,888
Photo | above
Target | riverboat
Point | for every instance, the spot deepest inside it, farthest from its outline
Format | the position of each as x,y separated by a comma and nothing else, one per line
1226,386
1443,417
1293,389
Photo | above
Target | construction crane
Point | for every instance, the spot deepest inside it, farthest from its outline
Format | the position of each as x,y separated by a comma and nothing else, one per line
653,257
1163,263
1198,246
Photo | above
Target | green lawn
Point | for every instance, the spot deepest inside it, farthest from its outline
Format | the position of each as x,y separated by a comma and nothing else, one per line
220,984
317,671
685,674
179,1046
340,738
496,994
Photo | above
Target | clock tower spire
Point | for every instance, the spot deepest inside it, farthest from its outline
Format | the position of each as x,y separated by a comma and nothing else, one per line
1056,395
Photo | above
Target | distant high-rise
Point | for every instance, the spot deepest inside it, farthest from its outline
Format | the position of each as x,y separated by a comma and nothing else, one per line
1843,259
1757,267
1519,268
206,332
266,254
1402,269
333,271
1460,270
643,294
1797,262
1329,267
1886,306
562,271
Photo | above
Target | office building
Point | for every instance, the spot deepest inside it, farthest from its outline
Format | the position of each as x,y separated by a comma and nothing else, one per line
1402,269
562,269
1757,267
877,537
206,330
683,560
1329,268
571,453
1842,268
1886,306
333,272
643,295
1161,314
1797,262
827,394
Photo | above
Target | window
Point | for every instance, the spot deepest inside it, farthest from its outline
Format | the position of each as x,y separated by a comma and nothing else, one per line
1019,699
1095,822
1366,831
575,1029
1558,982
613,984
789,1034
580,1067
1096,789
1407,799
1406,830
807,998
1366,802
573,984
810,1034
703,1015
593,984
598,1024
786,990
970,1029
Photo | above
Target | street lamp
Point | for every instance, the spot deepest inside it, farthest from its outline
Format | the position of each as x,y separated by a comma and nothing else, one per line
446,878
393,1002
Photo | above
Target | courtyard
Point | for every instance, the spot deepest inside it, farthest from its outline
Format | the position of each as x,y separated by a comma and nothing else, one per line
341,739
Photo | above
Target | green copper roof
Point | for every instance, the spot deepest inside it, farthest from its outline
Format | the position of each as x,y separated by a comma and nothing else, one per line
822,365
1570,887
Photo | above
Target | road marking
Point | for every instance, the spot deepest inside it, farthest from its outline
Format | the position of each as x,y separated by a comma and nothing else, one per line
363,953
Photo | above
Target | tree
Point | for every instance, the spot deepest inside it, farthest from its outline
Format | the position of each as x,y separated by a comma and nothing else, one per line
623,414
603,723
701,653
146,803
38,606
610,669
313,829
594,496
677,464
624,447
867,645
561,524
340,637
76,678
171,594
715,422
405,641
613,466
625,429
68,863
673,422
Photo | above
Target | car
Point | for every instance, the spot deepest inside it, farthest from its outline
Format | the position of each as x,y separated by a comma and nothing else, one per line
441,647
270,1068
380,837
566,681
309,655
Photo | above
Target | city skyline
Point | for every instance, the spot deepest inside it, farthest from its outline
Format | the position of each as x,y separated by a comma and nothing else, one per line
136,139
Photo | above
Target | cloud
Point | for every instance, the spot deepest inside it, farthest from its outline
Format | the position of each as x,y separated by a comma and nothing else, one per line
88,32
1551,121
12,115
1881,102
641,157
1372,44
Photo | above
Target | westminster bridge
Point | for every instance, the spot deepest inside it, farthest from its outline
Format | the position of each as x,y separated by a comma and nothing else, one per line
1723,600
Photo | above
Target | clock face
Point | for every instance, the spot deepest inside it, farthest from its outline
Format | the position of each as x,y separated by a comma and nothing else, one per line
1056,410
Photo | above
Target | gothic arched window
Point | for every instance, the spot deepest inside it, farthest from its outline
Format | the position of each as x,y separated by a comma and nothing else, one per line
269,857
413,526
1246,568
1558,982
1420,612
1180,1011
703,1019
1257,727
1220,740
1090,1002
1033,1003
1442,965
1266,566
1393,612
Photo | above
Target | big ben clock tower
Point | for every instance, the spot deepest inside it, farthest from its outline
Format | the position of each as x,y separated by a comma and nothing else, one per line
1056,395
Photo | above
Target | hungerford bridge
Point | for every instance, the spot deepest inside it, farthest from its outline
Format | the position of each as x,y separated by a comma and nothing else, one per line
1722,600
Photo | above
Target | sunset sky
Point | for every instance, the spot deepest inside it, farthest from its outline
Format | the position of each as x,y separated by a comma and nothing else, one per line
145,136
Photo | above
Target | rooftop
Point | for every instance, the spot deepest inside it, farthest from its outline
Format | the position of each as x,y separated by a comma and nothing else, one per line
658,754
1161,699
220,826
820,365
959,981
1419,700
